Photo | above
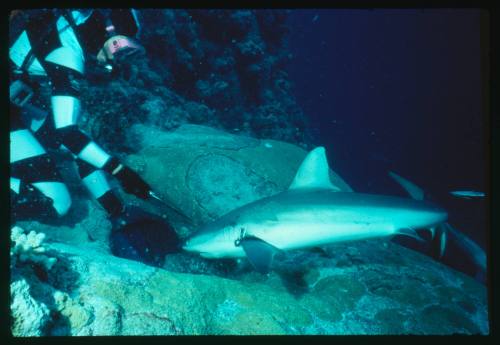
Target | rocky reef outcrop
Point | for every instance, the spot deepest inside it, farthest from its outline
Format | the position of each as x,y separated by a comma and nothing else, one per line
223,68
364,287
371,287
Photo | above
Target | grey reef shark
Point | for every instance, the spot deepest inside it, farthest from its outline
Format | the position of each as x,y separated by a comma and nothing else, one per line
313,212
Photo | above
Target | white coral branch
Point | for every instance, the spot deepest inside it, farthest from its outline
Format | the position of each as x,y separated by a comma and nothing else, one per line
29,248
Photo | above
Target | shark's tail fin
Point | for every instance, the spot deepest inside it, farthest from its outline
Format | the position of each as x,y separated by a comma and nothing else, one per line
438,232
443,233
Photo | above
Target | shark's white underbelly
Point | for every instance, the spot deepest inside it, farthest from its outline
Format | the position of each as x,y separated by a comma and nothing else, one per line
288,236
293,230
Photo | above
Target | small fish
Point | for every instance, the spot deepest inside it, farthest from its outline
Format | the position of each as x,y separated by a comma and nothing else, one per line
315,18
468,194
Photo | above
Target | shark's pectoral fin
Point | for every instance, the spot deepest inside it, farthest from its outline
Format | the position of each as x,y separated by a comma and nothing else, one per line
411,233
259,253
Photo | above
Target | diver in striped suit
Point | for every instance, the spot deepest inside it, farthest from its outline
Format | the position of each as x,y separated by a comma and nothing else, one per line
52,46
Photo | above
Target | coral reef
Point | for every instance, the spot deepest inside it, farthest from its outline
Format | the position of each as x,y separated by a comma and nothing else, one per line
223,68
366,287
30,317
29,248
29,258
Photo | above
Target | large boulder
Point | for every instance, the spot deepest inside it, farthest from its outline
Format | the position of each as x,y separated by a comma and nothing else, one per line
207,172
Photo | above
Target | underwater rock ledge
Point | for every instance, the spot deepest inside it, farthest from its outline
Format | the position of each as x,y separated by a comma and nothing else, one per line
368,287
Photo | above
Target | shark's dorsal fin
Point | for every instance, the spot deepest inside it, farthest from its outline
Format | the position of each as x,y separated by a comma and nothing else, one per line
415,192
313,172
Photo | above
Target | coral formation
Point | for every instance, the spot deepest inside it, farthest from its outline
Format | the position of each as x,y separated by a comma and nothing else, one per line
30,317
223,68
29,248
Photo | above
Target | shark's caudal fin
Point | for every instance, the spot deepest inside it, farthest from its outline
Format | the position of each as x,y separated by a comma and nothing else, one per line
417,193
471,248
314,172
414,191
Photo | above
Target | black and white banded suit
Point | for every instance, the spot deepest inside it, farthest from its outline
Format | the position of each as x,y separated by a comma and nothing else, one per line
53,46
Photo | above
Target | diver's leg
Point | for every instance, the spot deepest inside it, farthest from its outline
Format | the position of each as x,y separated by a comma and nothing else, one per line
125,239
135,234
96,183
34,176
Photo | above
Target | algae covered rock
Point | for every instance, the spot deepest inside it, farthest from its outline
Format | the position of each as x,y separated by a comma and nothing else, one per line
30,317
115,296
365,287
207,172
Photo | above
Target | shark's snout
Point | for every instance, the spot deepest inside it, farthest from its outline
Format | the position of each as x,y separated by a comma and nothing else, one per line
187,246
196,244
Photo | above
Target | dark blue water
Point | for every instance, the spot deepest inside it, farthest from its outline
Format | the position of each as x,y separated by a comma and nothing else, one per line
397,90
